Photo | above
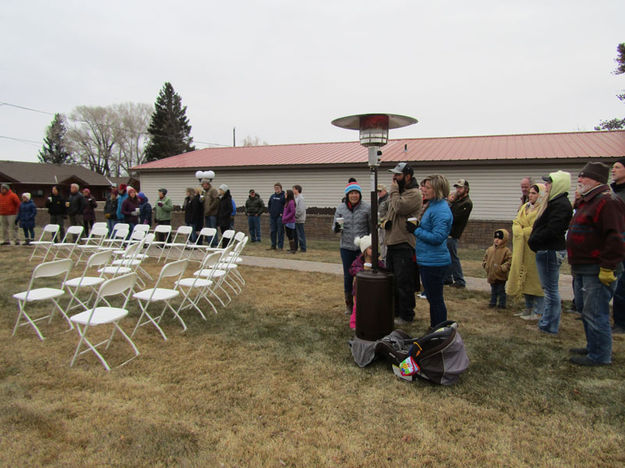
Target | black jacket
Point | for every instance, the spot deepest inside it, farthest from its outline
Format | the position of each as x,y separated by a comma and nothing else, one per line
77,204
460,209
549,229
56,205
224,212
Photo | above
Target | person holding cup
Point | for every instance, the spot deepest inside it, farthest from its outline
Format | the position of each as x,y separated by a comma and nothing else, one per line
431,244
57,210
130,208
75,205
352,219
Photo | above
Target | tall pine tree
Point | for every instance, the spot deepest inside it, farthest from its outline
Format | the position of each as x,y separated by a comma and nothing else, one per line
54,150
169,128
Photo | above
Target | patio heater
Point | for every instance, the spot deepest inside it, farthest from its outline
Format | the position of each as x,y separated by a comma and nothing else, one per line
374,296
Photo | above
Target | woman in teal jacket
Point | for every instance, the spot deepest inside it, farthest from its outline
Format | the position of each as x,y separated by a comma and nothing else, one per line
431,246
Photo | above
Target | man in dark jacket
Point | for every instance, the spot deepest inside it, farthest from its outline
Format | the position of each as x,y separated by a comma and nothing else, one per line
76,205
57,209
461,207
547,240
596,251
275,208
254,207
618,304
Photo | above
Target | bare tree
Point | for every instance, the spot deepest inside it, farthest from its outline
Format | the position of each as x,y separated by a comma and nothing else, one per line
253,141
109,140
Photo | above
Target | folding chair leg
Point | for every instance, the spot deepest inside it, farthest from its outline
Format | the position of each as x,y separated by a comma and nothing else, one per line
149,320
29,320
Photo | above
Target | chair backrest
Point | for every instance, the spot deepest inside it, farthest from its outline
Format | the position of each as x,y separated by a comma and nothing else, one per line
53,268
174,268
141,228
50,229
99,258
117,226
117,285
73,231
97,235
163,228
120,233
99,224
226,237
239,236
136,235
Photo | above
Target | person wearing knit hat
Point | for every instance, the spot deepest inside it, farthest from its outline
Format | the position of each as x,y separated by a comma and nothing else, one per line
351,220
224,211
596,253
596,171
26,218
145,209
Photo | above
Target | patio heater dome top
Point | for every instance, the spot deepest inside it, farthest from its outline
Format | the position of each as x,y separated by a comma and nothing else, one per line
373,127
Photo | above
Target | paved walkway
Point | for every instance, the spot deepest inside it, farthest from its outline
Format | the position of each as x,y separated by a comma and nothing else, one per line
473,284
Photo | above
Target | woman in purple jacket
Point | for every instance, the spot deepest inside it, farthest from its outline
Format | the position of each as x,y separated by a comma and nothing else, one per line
288,219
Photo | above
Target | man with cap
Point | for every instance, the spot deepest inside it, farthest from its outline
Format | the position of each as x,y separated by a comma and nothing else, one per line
275,206
254,207
526,183
460,207
596,252
211,207
547,240
162,211
9,205
404,202
618,303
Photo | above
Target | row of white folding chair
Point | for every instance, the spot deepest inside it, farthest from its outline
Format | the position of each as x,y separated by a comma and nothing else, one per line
178,243
49,235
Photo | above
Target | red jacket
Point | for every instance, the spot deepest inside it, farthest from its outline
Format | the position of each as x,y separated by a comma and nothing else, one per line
597,230
9,203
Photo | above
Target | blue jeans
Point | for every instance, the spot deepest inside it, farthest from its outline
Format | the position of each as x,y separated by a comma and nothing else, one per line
211,222
276,230
454,271
618,305
432,280
253,223
535,304
301,236
548,263
592,299
498,292
347,258
110,223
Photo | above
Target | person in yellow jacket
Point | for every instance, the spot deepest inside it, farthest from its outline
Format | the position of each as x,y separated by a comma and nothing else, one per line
523,278
497,265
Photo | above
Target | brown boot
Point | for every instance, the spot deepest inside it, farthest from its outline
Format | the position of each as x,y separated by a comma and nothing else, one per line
349,304
292,249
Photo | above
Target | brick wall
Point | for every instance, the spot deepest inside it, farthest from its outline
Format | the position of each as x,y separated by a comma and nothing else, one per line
478,234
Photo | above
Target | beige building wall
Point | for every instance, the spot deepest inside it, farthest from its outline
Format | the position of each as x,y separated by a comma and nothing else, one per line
495,187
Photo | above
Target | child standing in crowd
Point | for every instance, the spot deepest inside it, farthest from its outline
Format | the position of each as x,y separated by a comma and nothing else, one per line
497,262
26,218
364,261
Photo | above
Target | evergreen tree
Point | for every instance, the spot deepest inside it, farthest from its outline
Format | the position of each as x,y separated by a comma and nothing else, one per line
54,150
169,130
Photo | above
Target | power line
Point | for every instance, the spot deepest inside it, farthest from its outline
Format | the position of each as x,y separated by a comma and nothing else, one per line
25,108
21,140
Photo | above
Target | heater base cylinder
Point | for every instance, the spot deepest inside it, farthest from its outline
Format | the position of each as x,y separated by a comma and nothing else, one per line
375,305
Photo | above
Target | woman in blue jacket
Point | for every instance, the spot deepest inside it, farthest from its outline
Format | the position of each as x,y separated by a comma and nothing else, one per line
431,246
26,218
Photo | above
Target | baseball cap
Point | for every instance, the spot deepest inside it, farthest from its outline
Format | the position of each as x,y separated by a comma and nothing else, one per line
402,168
462,183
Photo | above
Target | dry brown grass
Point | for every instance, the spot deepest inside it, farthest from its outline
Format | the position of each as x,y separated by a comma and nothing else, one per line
269,381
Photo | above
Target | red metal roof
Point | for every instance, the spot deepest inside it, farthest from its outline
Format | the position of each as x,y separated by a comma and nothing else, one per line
609,144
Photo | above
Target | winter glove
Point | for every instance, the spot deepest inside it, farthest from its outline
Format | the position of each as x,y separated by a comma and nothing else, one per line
411,227
607,276
337,227
388,225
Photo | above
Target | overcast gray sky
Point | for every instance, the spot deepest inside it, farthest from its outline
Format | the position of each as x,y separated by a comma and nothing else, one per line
282,70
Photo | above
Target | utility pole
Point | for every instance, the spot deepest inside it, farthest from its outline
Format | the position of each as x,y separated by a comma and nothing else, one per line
234,136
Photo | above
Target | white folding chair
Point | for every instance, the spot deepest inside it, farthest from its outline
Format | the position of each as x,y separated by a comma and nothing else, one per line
129,261
198,287
240,240
92,243
233,278
217,275
85,281
51,230
160,294
69,242
179,242
104,315
32,294
117,239
100,224
161,231
226,238
202,243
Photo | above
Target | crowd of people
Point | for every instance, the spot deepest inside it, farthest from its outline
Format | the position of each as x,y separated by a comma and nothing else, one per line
420,225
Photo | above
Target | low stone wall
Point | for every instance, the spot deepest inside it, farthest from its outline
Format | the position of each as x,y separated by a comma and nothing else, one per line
478,233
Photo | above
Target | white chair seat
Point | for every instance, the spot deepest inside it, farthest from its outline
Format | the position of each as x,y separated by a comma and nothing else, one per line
224,266
188,282
210,272
84,282
100,316
156,294
39,294
118,270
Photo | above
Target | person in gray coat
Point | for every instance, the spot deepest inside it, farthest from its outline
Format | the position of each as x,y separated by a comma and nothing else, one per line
352,219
